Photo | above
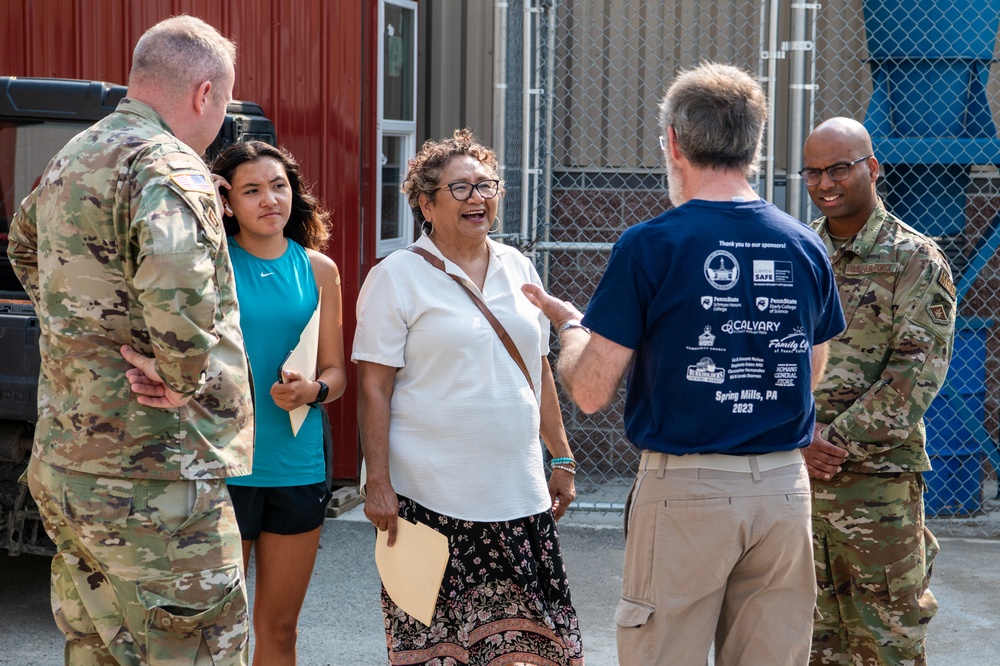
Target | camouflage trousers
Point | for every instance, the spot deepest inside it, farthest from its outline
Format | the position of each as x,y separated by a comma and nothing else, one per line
146,571
873,565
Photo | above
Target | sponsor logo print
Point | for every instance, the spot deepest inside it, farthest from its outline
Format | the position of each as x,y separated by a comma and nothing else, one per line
786,374
705,371
777,306
263,274
793,343
720,303
721,270
706,342
706,339
746,367
774,273
747,326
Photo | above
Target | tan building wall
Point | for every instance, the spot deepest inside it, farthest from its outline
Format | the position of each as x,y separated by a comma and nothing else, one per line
613,59
455,68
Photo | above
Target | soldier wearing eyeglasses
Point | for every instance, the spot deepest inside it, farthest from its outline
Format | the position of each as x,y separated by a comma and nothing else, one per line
873,552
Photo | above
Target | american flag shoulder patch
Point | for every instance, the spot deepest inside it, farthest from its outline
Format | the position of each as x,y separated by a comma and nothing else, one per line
191,181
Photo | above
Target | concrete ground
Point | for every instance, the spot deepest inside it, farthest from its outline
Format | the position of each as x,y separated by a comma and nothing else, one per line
341,623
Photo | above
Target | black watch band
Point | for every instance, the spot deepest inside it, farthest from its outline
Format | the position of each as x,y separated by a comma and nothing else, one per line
324,391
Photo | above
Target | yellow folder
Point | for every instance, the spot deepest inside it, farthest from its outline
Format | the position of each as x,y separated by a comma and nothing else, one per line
412,570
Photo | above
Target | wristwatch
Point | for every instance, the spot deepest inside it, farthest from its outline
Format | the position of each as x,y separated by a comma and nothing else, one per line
572,323
324,391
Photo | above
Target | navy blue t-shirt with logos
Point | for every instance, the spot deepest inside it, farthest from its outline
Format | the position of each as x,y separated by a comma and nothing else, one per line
722,303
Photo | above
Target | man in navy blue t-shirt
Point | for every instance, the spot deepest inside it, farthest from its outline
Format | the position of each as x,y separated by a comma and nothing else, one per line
718,309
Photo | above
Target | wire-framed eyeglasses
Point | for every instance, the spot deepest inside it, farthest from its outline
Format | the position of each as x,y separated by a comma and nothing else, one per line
837,172
462,191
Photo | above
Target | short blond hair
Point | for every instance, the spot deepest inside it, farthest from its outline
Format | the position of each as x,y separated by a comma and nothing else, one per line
180,52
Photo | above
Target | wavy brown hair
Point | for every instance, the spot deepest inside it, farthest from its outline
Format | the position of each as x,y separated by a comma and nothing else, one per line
424,171
307,222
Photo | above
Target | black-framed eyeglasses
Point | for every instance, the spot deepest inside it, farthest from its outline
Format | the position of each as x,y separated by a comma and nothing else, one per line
462,191
837,172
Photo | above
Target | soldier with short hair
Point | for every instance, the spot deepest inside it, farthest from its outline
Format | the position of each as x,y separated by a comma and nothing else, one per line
873,553
122,251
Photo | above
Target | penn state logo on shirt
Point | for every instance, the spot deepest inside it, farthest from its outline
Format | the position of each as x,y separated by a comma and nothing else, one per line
721,270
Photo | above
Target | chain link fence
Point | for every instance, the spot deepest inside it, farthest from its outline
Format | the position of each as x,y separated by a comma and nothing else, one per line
581,85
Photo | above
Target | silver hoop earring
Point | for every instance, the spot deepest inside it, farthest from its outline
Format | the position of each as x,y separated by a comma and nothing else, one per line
426,227
228,210
495,227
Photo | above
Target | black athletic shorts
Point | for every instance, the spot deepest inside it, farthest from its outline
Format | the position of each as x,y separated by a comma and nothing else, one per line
280,510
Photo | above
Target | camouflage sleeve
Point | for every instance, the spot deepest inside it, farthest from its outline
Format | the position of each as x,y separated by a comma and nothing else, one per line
179,236
22,247
923,330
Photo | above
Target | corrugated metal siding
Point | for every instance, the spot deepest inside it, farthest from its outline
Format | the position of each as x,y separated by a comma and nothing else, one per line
609,78
455,68
301,60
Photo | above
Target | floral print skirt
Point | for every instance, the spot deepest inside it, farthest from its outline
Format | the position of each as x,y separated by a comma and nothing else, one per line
504,599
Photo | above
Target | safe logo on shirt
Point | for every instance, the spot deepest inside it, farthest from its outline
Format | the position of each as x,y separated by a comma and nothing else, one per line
721,270
775,273
705,371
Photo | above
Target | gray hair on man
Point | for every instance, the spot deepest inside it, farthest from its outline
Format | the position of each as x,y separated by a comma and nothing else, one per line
180,52
718,113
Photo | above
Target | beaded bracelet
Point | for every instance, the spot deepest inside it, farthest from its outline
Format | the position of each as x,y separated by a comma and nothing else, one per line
562,461
565,468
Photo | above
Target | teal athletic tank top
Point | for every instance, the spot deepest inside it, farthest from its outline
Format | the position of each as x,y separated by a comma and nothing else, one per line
277,297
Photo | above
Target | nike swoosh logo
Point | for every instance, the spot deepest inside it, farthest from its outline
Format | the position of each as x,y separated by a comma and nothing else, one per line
266,274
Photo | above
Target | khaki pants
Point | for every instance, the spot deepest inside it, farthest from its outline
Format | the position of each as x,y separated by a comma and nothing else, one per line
717,555
146,571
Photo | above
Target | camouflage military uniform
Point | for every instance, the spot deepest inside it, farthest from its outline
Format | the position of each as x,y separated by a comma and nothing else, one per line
121,243
873,553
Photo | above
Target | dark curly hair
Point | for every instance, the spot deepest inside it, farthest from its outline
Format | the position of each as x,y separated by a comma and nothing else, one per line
424,171
307,223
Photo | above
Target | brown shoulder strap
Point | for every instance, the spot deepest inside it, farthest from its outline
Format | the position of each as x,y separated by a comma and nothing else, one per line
494,322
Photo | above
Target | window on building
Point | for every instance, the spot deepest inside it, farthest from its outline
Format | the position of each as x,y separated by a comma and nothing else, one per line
397,128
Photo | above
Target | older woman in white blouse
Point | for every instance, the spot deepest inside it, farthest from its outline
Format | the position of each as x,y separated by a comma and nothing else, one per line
450,424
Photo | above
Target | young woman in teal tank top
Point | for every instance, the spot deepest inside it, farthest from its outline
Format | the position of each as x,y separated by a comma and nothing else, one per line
277,230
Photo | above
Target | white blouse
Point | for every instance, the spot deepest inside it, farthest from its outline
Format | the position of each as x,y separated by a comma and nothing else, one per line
463,429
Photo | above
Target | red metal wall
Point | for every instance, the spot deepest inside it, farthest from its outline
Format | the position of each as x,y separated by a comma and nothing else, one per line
309,63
